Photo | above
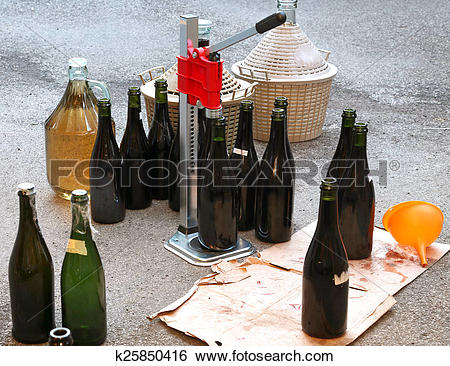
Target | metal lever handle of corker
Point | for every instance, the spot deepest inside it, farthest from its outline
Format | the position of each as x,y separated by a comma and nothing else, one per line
268,23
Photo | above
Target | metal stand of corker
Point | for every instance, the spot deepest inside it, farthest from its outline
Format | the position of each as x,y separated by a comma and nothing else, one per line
200,81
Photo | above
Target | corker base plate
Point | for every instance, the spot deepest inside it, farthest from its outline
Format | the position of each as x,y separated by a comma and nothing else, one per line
188,248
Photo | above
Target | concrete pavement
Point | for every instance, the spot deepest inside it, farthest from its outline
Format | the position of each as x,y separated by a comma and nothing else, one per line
393,68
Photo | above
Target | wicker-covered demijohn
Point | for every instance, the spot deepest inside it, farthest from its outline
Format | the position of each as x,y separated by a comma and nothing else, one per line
286,63
233,92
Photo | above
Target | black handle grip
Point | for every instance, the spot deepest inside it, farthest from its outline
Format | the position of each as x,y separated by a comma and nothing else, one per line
271,22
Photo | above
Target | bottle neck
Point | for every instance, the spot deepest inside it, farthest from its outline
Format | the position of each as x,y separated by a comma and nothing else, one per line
346,136
27,209
328,213
245,130
78,73
277,134
288,6
105,125
359,149
80,218
161,95
218,142
134,109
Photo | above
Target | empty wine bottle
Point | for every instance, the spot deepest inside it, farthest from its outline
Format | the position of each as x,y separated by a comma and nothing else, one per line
135,151
275,192
31,276
83,295
245,159
325,272
282,102
357,199
217,213
107,200
60,337
174,157
344,146
160,139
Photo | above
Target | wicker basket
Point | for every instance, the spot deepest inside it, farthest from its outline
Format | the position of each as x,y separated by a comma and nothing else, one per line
233,92
286,63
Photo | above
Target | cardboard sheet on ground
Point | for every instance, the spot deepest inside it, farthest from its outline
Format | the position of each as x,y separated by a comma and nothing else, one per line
258,302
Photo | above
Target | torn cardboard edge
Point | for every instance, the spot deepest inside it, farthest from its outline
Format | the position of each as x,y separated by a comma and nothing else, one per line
186,314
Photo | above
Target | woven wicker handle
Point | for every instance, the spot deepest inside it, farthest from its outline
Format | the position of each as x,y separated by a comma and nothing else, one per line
326,53
152,74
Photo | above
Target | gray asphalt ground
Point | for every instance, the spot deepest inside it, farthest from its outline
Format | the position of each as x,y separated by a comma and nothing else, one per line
393,64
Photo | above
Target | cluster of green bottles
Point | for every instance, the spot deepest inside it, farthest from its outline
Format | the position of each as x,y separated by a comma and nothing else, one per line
344,231
31,279
264,197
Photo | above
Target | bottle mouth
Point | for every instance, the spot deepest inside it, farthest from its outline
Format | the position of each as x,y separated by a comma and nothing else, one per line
204,27
77,62
59,333
134,90
104,102
278,114
281,102
360,127
247,105
79,195
160,83
26,189
328,184
349,112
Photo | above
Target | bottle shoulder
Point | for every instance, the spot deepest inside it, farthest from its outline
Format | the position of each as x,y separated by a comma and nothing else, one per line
326,253
30,250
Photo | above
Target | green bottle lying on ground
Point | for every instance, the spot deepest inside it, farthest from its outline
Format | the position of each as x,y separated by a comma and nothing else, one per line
82,279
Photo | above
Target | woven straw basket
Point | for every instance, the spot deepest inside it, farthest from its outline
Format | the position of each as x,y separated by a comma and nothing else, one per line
233,92
286,63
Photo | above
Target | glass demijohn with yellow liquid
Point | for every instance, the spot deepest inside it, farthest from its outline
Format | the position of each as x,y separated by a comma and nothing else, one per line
70,132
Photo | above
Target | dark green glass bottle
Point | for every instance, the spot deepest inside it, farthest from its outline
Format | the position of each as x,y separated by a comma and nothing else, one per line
210,120
83,294
275,192
60,337
107,200
135,151
217,213
344,146
245,159
357,199
174,157
282,102
31,277
325,272
160,139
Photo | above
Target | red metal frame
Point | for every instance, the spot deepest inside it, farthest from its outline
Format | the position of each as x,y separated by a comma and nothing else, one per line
200,78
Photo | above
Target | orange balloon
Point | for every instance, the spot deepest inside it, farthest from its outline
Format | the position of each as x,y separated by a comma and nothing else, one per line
414,223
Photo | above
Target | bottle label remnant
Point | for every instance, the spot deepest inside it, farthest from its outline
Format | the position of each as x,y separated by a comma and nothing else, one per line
341,279
77,247
240,152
